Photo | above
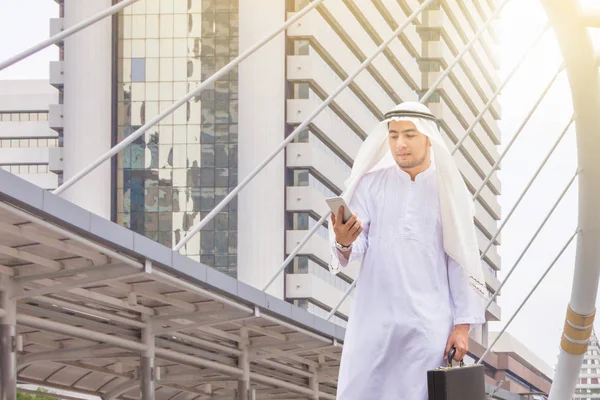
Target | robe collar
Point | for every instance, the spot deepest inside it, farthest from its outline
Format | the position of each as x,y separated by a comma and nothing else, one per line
420,177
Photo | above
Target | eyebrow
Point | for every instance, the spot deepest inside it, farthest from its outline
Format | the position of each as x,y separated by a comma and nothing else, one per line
403,131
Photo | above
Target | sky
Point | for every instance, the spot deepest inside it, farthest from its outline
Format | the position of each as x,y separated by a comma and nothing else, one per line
539,325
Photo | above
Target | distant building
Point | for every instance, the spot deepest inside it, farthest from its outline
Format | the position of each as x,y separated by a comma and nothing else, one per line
514,367
588,386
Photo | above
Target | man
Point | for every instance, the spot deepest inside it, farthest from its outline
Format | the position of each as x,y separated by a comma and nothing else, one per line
413,301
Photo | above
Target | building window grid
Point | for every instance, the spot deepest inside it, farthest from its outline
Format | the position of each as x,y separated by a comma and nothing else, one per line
26,168
175,174
29,142
23,116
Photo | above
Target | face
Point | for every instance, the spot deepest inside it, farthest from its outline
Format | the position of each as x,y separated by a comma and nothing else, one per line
409,147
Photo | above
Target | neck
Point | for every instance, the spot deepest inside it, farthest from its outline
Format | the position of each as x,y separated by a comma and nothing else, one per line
414,171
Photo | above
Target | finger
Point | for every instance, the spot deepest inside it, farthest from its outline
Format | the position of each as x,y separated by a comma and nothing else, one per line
333,218
460,354
357,233
350,223
340,215
448,347
357,225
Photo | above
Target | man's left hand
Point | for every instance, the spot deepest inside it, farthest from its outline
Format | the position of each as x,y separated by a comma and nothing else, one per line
459,339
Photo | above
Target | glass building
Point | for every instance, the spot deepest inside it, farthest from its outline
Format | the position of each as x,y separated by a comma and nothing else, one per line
174,174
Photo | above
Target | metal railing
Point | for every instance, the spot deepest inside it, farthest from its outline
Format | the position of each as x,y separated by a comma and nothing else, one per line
487,351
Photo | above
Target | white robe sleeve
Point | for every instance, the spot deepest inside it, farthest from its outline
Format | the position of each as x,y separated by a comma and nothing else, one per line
359,247
467,304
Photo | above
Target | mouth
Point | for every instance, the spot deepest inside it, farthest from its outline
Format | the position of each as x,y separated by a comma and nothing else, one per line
403,154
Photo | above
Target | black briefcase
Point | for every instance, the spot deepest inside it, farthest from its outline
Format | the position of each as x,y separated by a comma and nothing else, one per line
463,382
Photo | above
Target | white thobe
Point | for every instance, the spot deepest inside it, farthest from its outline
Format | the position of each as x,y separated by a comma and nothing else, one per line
409,293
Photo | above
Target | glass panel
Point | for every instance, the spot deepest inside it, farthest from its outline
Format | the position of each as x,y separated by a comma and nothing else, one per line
138,70
166,26
176,172
166,47
166,69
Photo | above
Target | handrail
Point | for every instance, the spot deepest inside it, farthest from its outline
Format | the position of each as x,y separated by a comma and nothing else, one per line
528,296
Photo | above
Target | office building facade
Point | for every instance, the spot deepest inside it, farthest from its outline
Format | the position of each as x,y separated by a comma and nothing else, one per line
588,386
29,147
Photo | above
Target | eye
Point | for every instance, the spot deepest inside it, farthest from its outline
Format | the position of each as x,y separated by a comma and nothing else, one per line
410,136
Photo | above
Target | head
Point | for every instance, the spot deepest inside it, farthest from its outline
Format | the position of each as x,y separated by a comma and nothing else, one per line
410,148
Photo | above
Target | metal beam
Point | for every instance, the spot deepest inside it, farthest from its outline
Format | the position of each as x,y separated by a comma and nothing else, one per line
201,325
539,229
339,303
499,90
533,178
120,389
63,354
85,334
578,52
30,257
115,255
516,135
527,297
31,232
93,276
88,309
179,283
69,272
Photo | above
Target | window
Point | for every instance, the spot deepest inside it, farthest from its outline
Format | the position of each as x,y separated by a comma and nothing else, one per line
26,169
24,116
138,69
29,142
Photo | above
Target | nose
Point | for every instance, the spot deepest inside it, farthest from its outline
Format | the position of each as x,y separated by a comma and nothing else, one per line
401,143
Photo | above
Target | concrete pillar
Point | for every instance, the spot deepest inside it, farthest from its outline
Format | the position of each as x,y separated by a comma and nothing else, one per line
147,366
87,108
244,364
261,130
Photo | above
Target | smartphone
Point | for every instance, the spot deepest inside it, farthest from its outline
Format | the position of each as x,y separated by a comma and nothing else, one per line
334,205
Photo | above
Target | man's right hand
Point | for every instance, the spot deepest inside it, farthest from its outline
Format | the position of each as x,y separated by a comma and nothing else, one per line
346,233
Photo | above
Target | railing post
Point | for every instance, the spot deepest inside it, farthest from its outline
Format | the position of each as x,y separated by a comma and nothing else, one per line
8,338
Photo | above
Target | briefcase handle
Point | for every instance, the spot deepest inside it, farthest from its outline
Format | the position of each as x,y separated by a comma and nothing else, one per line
451,354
